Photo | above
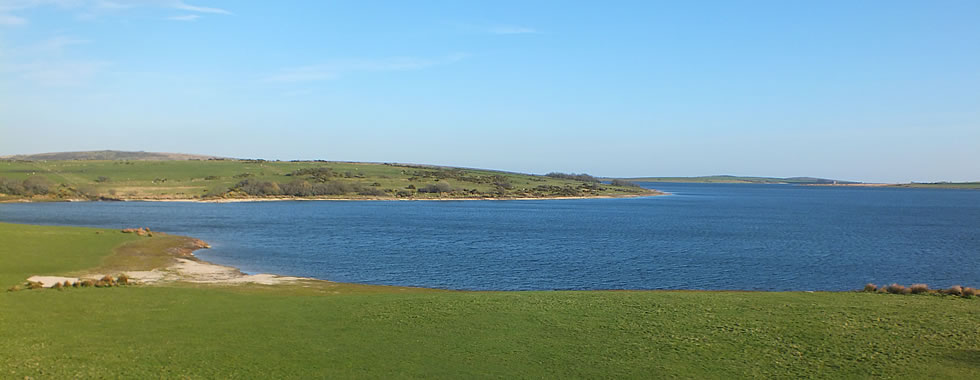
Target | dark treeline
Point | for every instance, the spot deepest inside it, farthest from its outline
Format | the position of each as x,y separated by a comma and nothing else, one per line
301,188
577,177
33,185
623,182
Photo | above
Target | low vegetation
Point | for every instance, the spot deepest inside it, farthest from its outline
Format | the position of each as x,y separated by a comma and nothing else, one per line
330,330
235,179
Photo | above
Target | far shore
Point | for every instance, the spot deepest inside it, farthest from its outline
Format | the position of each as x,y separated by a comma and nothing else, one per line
279,199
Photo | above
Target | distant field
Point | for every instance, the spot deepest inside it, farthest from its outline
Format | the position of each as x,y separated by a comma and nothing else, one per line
342,330
197,179
737,179
942,185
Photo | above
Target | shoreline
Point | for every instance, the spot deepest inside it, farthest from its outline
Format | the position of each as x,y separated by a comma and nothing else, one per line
347,199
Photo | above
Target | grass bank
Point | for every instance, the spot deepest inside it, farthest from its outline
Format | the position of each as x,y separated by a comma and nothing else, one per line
252,179
339,330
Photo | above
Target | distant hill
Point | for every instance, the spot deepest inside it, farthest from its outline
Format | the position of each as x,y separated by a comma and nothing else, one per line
108,155
737,179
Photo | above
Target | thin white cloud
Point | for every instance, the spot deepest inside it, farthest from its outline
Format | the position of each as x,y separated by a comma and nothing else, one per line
337,68
193,8
65,73
11,20
184,18
57,44
512,29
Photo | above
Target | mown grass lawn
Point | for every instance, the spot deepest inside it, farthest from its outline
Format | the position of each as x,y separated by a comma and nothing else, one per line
339,330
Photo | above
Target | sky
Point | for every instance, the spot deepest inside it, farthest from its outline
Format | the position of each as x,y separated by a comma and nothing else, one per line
878,91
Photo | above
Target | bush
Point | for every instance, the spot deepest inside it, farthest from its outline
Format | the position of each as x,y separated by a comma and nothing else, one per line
623,182
297,188
919,288
254,187
35,185
572,176
440,187
896,289
332,188
870,288
12,187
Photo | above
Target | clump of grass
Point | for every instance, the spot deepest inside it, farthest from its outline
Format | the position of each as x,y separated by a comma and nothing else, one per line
954,290
919,288
897,289
870,288
107,280
970,292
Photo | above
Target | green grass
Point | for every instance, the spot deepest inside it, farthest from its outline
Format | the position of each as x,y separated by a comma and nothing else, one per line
341,330
196,179
36,250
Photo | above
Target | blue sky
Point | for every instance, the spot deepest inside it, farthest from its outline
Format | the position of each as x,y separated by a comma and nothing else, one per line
860,90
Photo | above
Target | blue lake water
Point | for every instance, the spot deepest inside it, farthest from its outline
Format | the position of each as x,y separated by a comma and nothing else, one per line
717,236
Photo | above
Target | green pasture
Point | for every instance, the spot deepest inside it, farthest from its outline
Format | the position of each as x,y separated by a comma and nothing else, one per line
321,329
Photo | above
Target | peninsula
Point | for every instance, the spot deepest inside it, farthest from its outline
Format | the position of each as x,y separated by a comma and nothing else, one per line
113,175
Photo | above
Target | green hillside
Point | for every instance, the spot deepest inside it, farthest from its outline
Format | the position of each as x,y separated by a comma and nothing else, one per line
237,179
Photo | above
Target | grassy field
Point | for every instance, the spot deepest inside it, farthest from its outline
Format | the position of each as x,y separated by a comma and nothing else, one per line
339,330
740,179
196,179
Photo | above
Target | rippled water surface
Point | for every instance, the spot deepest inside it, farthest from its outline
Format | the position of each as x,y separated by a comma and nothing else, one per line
753,237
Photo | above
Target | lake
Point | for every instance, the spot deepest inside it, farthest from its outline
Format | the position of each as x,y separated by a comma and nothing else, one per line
703,236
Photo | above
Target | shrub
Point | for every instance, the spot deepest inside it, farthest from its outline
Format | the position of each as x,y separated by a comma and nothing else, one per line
919,288
440,187
577,177
870,288
623,182
896,289
37,185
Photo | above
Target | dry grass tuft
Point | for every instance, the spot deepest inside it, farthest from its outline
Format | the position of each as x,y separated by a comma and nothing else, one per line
919,288
897,289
